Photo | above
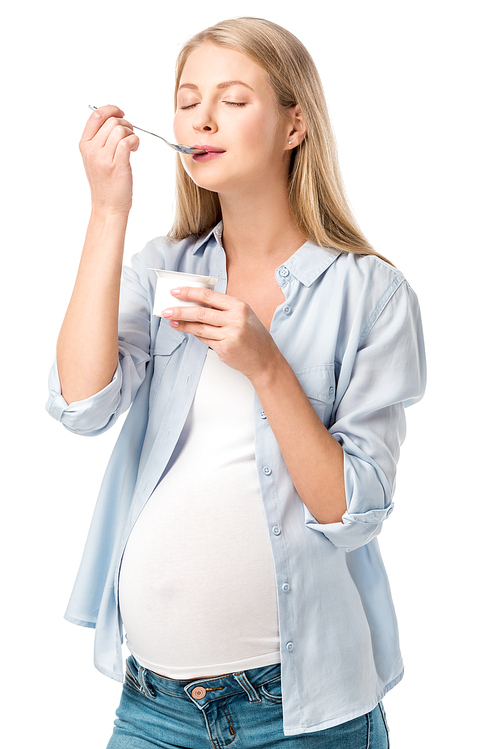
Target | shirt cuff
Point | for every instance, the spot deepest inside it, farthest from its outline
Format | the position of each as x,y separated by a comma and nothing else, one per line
355,530
369,503
89,416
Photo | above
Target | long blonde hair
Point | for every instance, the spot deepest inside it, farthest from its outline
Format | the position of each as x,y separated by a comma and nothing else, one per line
317,198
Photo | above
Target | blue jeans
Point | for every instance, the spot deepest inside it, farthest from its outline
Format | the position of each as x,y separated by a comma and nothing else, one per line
241,710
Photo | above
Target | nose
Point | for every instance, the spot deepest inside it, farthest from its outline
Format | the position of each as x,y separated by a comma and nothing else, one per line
204,120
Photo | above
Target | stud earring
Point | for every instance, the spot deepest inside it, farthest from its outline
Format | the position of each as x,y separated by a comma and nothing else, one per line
289,142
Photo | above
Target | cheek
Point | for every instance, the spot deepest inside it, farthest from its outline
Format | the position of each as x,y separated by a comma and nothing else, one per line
270,130
177,128
259,137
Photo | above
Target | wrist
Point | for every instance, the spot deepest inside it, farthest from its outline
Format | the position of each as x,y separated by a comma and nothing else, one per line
275,369
105,237
108,214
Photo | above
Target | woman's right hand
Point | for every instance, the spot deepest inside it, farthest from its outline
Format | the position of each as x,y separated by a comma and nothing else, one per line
106,144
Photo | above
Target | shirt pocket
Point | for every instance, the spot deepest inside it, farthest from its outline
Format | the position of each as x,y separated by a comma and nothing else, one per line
166,342
319,384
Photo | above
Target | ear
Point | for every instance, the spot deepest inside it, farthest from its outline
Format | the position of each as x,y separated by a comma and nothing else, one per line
298,130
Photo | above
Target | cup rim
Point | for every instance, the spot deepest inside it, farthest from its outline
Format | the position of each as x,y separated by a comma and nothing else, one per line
164,273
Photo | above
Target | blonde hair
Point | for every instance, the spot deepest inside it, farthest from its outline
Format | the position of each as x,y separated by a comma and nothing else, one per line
316,194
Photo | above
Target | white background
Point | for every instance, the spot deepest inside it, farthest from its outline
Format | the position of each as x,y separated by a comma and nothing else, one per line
412,90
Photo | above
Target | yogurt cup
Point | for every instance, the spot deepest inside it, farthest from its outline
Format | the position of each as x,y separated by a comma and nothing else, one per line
171,279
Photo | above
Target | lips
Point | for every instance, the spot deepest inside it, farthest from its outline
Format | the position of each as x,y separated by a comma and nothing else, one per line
210,153
210,149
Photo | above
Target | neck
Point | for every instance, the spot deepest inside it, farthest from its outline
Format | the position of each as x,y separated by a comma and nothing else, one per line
259,228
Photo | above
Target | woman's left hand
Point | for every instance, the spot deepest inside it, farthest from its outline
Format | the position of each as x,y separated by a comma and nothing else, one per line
229,326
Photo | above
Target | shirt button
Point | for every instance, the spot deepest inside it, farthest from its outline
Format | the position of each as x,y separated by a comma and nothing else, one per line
289,646
283,271
276,530
287,310
331,391
262,415
267,470
198,693
285,587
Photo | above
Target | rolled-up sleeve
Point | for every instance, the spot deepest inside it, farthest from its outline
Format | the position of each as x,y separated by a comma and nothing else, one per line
386,374
98,413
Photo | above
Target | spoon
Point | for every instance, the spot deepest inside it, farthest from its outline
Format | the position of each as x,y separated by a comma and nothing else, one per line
179,148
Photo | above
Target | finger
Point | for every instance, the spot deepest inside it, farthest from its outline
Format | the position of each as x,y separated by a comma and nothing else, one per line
102,136
97,118
205,296
199,330
121,141
203,315
124,148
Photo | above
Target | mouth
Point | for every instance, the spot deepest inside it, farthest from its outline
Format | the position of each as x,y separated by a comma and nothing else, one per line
210,153
209,149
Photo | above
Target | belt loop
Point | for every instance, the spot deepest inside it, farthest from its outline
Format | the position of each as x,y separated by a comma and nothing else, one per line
145,687
252,693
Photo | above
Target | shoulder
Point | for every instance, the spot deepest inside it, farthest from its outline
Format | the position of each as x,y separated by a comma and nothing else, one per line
367,281
362,289
361,270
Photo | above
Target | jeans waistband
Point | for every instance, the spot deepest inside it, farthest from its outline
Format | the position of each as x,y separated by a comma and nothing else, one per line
205,689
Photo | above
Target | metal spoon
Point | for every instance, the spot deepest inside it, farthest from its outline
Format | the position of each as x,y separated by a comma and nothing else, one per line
179,148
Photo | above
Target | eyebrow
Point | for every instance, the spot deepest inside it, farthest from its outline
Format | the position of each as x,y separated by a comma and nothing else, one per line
224,84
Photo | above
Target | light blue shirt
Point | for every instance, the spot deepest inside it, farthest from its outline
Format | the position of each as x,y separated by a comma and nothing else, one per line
350,328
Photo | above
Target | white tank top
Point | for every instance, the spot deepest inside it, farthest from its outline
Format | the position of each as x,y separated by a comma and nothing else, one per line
197,584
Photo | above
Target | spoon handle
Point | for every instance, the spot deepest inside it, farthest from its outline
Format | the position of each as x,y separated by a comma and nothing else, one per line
178,148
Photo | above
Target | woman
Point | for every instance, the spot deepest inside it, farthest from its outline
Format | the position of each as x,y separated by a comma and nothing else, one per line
234,535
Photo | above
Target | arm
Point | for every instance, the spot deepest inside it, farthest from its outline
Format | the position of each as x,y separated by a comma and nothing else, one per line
97,413
319,480
87,348
382,374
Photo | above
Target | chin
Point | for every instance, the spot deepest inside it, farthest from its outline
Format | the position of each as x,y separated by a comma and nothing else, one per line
203,180
205,184
210,182
210,177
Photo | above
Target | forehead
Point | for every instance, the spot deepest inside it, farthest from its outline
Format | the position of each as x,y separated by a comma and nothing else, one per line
210,64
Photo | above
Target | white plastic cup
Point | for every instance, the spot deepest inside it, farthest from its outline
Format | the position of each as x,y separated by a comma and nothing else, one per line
170,279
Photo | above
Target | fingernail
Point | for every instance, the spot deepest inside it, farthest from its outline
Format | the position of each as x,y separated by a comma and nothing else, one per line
175,291
167,313
174,323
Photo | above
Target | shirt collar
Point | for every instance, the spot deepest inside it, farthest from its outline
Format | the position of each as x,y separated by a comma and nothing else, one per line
202,241
306,264
310,261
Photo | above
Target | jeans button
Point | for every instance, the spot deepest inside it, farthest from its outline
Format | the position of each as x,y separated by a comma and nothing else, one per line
198,693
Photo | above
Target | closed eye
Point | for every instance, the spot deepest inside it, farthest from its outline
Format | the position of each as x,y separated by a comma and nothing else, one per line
231,103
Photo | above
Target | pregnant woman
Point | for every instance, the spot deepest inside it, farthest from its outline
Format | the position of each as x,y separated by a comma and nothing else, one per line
234,539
